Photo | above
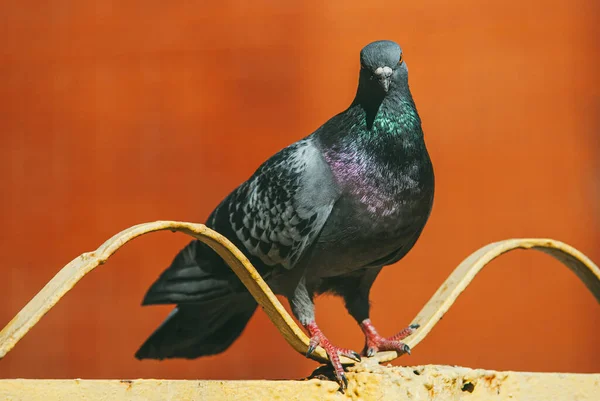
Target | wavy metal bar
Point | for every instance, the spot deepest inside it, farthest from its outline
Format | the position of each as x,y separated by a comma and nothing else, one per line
462,276
431,313
69,275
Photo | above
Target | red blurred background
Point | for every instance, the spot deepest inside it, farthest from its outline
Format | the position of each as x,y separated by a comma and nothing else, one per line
115,113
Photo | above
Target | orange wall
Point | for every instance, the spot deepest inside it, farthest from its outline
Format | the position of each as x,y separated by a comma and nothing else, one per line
115,113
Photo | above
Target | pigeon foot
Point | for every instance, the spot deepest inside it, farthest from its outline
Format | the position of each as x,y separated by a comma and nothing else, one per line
375,343
318,338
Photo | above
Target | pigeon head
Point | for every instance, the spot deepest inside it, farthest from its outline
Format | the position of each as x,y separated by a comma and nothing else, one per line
382,66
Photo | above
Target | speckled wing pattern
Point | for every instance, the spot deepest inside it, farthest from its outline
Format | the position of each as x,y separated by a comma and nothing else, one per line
281,209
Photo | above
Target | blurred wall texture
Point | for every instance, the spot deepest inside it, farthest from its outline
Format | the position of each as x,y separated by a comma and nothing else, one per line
119,112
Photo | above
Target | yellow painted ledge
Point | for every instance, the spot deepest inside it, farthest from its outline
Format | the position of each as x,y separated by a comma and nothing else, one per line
370,382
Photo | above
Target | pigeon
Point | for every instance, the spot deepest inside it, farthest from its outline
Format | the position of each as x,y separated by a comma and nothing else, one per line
323,215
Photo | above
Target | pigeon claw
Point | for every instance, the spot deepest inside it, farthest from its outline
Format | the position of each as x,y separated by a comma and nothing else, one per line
333,353
384,344
314,342
344,382
311,349
355,356
376,343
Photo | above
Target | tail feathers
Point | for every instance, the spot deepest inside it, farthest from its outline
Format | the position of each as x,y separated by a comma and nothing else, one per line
213,307
194,330
197,274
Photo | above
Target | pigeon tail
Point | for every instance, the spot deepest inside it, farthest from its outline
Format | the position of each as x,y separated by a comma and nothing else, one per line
196,275
194,330
213,307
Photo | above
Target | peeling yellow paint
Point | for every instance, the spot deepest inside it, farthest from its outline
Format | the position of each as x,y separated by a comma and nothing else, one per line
366,382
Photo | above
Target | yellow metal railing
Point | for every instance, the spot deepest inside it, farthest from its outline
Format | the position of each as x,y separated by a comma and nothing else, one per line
427,318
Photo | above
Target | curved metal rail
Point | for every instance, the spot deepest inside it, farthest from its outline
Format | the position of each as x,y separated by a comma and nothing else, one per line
431,313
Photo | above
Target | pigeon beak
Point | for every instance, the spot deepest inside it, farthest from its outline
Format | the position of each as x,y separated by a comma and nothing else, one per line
384,77
385,83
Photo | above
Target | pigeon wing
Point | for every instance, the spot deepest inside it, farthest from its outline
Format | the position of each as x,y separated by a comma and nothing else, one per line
280,210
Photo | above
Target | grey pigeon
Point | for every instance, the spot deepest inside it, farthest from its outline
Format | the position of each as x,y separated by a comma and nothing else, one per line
324,214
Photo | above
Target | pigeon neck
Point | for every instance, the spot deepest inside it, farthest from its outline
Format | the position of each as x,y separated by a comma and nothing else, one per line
392,110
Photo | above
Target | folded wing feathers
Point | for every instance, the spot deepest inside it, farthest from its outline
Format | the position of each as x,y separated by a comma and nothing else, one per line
266,217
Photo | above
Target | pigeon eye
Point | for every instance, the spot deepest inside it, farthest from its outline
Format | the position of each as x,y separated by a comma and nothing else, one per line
400,61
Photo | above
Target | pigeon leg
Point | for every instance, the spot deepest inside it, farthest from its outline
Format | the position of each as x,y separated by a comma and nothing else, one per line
355,290
375,343
303,307
318,338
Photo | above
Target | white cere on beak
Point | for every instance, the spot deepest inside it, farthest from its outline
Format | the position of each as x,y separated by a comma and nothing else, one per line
383,75
383,72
